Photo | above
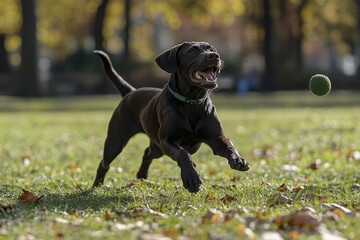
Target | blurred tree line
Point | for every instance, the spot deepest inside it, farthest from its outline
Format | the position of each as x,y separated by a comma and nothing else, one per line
283,41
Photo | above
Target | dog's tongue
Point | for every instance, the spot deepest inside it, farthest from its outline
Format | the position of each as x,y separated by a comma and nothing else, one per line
209,75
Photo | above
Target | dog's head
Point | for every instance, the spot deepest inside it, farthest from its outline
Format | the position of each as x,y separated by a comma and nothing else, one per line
198,62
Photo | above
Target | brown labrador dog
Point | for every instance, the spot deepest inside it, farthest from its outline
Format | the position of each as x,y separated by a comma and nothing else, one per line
177,118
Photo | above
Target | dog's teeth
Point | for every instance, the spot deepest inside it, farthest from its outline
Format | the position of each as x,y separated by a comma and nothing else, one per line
197,75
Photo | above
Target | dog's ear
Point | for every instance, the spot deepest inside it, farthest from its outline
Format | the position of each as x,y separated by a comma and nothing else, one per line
167,60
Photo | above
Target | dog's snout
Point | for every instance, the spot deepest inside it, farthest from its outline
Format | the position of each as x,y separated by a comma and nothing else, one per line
213,55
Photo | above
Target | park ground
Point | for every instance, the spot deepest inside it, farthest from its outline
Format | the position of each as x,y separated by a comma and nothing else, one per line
303,183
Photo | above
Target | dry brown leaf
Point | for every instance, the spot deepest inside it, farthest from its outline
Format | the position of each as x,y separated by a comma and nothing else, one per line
308,178
337,209
282,187
278,199
138,211
176,193
108,215
74,166
244,231
212,216
171,232
210,197
298,188
267,184
141,181
163,196
293,235
212,172
6,208
313,166
28,197
235,179
227,199
59,234
301,218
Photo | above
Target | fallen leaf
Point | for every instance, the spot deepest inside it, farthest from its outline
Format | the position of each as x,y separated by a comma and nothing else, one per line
337,209
28,197
308,178
141,181
313,166
282,187
227,199
300,218
235,179
293,235
171,232
298,187
244,231
108,215
163,196
210,197
6,208
212,216
353,155
74,166
59,235
138,211
212,172
176,193
278,199
266,184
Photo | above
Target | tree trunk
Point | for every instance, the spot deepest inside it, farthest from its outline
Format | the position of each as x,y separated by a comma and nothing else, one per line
104,85
99,23
4,62
268,79
126,56
299,37
358,38
28,82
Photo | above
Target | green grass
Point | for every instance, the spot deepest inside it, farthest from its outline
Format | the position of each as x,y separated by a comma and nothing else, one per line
53,146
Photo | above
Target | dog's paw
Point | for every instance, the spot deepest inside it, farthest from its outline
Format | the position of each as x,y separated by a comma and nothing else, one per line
239,163
191,180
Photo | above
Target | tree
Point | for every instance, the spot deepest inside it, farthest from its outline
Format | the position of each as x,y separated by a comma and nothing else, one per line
268,79
10,20
28,85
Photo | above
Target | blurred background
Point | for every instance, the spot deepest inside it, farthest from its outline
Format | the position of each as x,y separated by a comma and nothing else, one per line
46,46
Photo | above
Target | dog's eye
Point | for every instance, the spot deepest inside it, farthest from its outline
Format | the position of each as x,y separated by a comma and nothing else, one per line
212,50
192,51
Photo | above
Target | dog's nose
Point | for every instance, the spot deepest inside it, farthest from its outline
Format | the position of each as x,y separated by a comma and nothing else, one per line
213,55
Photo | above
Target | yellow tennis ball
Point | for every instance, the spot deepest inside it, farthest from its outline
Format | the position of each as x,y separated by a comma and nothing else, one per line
320,85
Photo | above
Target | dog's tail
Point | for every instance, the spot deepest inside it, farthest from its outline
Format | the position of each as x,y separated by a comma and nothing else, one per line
122,86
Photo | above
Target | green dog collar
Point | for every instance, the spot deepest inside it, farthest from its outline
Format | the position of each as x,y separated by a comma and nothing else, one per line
185,99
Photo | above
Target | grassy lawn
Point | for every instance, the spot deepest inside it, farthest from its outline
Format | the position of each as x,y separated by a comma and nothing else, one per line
308,145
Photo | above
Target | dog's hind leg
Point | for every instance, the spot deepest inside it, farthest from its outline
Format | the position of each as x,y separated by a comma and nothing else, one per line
150,153
117,138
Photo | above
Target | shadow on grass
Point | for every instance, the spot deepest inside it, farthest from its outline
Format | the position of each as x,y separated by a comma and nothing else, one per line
80,201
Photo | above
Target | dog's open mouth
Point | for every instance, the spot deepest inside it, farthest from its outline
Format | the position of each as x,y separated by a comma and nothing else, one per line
206,77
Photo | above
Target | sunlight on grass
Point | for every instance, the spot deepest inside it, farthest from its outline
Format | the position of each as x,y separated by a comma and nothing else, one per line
52,147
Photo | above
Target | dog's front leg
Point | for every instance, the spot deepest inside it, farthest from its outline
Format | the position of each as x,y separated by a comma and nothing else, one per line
189,175
222,146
